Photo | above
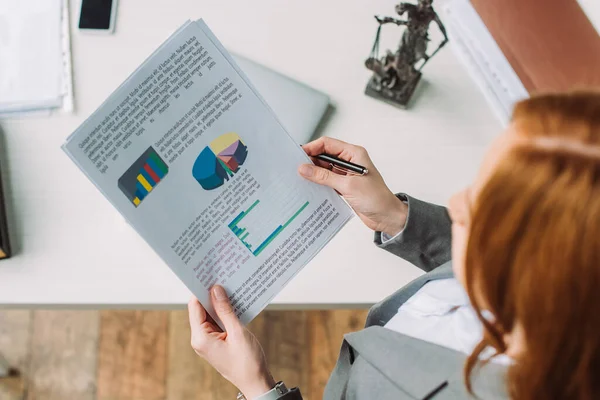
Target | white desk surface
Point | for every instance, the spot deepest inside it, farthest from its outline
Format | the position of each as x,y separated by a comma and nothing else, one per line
73,249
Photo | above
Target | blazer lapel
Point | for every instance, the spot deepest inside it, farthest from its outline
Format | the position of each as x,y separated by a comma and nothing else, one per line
417,367
420,368
378,316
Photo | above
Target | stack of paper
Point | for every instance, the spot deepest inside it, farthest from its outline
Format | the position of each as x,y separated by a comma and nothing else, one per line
199,165
515,48
485,62
35,62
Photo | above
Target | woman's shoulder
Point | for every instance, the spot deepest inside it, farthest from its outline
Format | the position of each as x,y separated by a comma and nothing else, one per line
392,364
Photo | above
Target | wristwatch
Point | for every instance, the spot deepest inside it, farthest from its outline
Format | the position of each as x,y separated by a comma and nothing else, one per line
279,390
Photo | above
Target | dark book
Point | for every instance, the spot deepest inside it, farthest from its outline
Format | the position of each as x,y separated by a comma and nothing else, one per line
4,241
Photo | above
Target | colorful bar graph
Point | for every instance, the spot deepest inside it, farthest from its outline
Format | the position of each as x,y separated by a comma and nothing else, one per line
143,176
242,233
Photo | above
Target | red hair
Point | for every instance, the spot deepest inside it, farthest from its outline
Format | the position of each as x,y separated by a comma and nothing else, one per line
533,256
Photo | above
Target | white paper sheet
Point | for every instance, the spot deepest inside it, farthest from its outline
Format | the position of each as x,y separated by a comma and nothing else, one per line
68,100
30,53
197,162
487,65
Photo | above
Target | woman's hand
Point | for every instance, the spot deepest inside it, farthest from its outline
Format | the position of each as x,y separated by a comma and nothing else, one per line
368,195
235,353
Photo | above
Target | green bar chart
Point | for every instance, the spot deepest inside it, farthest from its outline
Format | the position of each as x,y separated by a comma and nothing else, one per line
257,243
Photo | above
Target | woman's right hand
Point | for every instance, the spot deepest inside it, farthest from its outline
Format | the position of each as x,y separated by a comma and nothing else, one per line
368,195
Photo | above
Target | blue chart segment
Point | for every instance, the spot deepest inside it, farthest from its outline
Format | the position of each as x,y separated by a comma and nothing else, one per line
243,233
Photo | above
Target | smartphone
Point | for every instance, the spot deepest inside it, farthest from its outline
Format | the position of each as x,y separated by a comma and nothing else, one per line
98,16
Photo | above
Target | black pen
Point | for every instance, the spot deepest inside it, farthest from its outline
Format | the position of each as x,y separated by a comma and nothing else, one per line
345,166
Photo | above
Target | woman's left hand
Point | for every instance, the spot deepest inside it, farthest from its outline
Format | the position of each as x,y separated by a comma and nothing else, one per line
235,353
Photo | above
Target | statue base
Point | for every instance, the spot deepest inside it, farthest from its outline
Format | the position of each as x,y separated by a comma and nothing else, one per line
398,97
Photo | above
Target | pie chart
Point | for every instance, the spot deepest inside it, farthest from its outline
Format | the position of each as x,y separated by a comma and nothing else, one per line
219,161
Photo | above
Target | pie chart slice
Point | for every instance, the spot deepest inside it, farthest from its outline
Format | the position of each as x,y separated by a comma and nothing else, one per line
231,162
237,151
208,171
219,161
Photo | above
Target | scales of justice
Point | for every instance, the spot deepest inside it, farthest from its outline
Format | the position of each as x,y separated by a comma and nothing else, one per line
396,75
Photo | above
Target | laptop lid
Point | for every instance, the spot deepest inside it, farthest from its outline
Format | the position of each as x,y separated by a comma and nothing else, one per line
299,107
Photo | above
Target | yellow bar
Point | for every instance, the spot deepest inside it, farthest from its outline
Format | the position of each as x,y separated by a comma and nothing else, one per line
144,182
136,201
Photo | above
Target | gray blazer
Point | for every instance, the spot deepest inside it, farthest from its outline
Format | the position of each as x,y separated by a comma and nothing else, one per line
380,364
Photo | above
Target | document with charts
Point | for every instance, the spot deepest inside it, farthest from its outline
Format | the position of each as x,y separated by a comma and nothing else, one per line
195,160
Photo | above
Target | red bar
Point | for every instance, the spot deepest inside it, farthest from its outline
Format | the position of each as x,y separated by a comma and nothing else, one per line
151,173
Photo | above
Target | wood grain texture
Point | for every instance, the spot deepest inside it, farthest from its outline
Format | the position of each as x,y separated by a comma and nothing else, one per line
63,355
283,335
132,355
146,355
15,341
326,332
189,376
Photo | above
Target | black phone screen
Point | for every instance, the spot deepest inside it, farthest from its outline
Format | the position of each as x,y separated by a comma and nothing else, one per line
95,14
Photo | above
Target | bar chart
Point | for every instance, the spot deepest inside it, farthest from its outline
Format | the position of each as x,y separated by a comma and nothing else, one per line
251,224
143,176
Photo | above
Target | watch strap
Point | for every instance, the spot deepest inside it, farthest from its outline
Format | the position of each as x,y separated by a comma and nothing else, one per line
274,394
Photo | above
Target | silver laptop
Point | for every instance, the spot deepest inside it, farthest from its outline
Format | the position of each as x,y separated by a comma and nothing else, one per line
299,107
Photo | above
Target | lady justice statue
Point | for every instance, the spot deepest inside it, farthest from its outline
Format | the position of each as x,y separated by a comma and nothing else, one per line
396,75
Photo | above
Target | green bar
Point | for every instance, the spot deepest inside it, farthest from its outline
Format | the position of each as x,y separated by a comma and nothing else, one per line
159,163
242,215
239,233
237,219
244,237
295,215
252,206
264,246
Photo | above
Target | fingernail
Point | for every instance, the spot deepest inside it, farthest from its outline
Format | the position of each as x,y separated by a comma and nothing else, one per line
306,170
219,293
